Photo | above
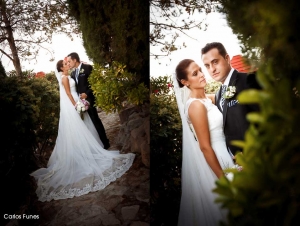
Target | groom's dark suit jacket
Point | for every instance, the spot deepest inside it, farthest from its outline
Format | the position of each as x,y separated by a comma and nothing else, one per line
234,114
83,86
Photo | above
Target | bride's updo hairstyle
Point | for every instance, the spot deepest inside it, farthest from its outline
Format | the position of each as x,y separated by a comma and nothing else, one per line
181,72
59,65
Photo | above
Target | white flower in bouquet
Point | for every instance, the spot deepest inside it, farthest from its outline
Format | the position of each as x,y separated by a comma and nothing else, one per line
230,175
82,106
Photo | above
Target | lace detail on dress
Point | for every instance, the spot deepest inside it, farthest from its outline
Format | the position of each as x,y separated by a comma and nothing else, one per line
88,184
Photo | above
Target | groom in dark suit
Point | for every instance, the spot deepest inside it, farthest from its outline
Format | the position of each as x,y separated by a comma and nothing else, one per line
217,62
80,74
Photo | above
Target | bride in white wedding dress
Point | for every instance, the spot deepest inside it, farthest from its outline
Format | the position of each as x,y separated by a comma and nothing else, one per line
205,155
78,164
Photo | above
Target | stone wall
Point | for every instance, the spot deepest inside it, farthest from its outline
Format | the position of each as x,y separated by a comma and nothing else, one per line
134,135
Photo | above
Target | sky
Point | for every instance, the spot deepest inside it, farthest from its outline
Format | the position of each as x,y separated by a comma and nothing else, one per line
61,45
217,31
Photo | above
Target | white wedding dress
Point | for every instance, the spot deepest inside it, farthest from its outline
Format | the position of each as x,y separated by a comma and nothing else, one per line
217,137
78,164
86,119
198,207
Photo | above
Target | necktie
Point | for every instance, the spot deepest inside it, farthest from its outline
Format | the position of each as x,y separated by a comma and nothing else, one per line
76,74
222,96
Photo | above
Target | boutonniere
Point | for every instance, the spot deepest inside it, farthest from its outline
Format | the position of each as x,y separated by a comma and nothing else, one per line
229,92
81,71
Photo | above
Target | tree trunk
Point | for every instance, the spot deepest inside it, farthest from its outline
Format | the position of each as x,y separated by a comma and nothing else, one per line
2,70
11,40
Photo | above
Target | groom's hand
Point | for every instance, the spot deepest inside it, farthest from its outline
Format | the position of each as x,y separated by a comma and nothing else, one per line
83,96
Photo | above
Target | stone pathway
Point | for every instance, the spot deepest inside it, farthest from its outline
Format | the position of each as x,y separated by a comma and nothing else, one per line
123,202
112,126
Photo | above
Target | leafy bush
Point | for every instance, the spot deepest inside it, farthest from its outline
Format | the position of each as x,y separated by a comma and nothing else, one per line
267,191
29,111
113,86
166,144
47,121
25,74
115,30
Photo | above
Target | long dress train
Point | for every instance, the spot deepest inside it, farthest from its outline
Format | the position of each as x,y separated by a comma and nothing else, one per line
78,164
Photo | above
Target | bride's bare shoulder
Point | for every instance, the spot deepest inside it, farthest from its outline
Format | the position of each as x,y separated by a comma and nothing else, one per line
195,107
64,76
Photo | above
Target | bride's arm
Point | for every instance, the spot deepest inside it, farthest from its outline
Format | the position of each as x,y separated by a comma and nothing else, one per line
198,116
66,84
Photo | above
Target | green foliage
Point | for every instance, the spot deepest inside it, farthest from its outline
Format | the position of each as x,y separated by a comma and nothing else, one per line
52,78
161,85
114,85
116,31
166,145
17,113
47,121
267,191
29,111
25,74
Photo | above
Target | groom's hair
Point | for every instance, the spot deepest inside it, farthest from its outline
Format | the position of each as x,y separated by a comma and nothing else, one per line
219,46
74,56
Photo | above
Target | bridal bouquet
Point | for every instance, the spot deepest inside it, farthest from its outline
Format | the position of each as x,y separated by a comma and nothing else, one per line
82,106
229,175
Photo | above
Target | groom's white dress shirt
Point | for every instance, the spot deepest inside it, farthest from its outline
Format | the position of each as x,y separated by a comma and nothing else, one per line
226,82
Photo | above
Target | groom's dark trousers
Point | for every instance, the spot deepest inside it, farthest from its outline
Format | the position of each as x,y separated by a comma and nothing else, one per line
235,123
83,86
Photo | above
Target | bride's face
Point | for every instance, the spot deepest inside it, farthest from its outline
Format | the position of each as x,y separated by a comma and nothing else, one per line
195,76
66,66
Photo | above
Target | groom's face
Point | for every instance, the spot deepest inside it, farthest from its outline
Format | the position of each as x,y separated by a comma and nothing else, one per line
71,62
217,66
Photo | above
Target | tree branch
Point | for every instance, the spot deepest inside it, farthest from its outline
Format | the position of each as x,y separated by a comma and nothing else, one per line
6,55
